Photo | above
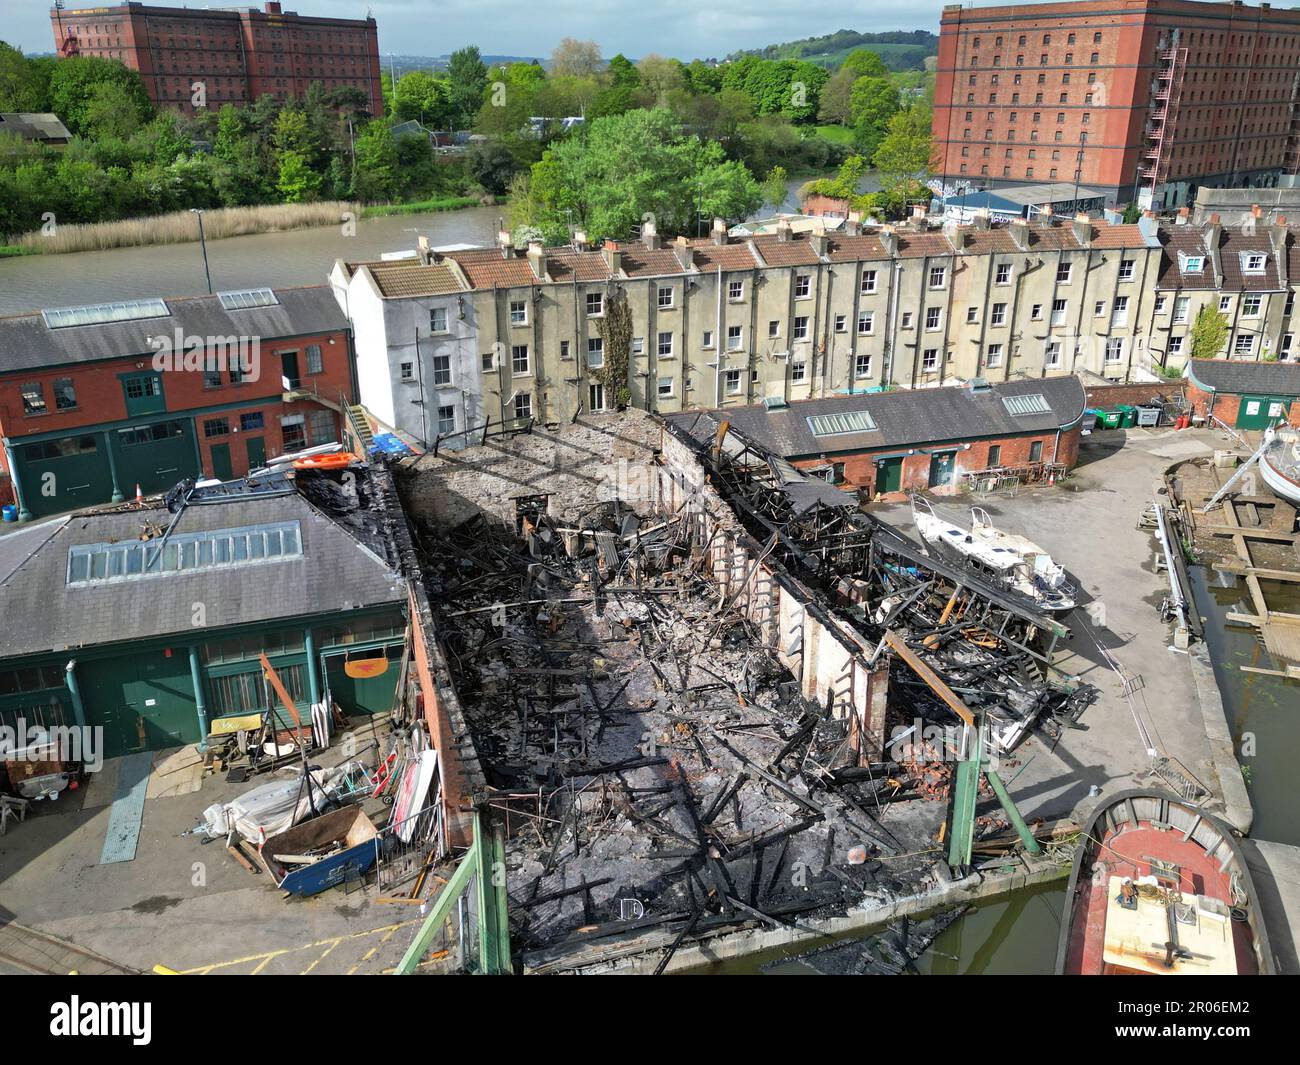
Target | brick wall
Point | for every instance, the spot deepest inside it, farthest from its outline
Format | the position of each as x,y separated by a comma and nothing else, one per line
1225,405
1106,397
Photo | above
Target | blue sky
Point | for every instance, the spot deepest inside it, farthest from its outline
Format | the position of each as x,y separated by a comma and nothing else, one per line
684,28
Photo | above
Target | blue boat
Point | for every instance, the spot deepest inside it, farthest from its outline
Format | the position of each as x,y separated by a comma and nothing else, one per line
318,854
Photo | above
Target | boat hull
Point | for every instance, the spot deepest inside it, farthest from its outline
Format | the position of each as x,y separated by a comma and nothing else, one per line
1287,487
1120,838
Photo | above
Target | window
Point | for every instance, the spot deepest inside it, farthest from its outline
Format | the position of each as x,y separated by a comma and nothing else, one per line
438,320
595,304
1119,312
995,456
1191,264
1063,273
596,397
731,378
665,345
866,323
1284,351
446,420
665,387
1003,275
665,298
216,427
251,422
999,316
1244,345
1099,309
1059,308
868,282
565,351
841,323
321,423
802,286
930,359
314,363
1036,312
638,345
735,337
1114,349
972,315
442,370
408,371
1250,306
708,339
518,312
1175,345
994,355
1253,263
801,327
798,371
932,318
1225,304
595,353
1052,354
906,321
735,290
1160,305
1126,269
1181,305
211,378
65,394
862,364
519,359
523,405
937,275
144,393
1036,451
489,362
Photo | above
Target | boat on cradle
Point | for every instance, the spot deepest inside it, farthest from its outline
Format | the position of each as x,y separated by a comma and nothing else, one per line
1004,558
1160,887
1279,463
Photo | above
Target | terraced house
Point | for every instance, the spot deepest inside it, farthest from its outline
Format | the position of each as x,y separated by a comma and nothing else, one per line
511,334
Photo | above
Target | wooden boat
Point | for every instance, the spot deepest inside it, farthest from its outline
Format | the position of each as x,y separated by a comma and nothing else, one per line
1160,887
317,854
1279,463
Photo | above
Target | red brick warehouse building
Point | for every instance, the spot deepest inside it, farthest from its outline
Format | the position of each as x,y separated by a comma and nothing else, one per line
94,403
238,54
1145,99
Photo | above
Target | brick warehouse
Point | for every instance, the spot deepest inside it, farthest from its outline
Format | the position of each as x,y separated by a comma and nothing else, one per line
90,410
1244,395
888,442
237,54
1147,99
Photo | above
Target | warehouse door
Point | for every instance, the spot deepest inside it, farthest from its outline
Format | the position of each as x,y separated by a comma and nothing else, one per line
58,475
1259,412
256,452
889,475
155,456
222,469
941,464
365,694
145,702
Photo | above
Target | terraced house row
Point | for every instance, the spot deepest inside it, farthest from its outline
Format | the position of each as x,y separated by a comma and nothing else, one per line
448,341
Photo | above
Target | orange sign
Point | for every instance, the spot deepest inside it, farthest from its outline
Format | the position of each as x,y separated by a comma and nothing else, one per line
365,667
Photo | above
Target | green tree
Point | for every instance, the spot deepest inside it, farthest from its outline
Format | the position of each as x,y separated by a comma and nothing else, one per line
423,98
774,186
576,59
903,158
492,165
865,64
75,98
466,80
873,102
622,72
1209,332
376,164
24,85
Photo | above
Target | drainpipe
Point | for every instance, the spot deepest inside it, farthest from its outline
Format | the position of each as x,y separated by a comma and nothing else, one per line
74,692
23,513
200,707
112,466
719,346
313,668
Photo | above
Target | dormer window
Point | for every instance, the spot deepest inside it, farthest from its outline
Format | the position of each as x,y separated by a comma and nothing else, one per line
1190,264
1252,262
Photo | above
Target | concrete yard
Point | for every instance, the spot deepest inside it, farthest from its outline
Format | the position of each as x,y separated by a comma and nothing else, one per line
1089,525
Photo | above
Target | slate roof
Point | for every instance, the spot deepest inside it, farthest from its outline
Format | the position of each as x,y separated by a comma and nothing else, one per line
43,613
1237,376
401,278
35,126
26,342
903,418
1232,245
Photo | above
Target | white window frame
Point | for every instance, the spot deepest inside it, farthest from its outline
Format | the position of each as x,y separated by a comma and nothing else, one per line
518,312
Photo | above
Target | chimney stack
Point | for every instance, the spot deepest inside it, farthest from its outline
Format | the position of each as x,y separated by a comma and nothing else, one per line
1182,216
506,244
684,252
1082,226
537,259
916,219
580,242
889,240
613,256
820,243
719,231
983,218
422,244
784,231
1019,230
650,234
853,224
1045,215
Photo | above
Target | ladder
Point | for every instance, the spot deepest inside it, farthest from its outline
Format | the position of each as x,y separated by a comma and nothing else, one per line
1241,472
360,424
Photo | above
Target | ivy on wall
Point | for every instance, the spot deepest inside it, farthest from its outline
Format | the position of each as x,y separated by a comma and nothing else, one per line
615,330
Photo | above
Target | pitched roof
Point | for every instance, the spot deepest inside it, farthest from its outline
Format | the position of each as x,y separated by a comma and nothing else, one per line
27,342
401,278
906,417
35,126
1237,376
334,573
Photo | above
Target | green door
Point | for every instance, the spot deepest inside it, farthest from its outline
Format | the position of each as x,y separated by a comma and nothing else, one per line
256,451
941,465
364,695
222,470
64,474
143,701
889,475
1259,412
155,456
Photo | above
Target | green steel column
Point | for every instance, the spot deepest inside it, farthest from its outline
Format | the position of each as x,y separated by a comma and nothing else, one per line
441,910
313,668
965,795
112,466
74,692
493,920
1004,797
196,676
23,513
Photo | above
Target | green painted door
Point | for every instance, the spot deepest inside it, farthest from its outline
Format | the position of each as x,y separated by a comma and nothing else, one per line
155,456
889,475
58,475
941,465
364,695
256,451
1259,412
144,701
222,469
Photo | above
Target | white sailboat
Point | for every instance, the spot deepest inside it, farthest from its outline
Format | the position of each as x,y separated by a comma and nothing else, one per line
1004,558
1279,462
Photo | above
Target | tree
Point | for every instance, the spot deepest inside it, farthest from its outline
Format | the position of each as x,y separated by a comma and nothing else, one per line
76,100
466,80
873,102
576,59
774,186
297,181
1209,332
903,158
833,106
659,76
622,72
376,164
423,98
865,64
492,165
24,86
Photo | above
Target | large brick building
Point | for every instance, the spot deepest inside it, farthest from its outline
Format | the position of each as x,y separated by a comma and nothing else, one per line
1148,99
225,56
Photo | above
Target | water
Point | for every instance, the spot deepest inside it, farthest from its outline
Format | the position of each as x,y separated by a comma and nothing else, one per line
299,257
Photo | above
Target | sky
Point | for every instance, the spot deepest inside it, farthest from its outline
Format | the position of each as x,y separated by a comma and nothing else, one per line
686,29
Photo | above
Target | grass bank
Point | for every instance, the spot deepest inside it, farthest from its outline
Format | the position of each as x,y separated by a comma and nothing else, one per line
445,203
180,227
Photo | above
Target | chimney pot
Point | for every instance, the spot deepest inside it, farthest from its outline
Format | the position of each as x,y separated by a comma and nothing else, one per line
719,231
649,234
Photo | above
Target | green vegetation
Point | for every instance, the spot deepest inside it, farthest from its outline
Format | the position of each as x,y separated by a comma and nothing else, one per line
1209,333
900,50
445,203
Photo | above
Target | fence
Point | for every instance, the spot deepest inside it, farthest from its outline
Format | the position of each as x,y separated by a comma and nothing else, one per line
406,848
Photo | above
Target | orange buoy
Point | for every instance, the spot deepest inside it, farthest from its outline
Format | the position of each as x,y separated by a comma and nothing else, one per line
335,461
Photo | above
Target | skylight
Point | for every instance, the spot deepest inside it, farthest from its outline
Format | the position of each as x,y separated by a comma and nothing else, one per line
857,421
1034,403
103,313
183,553
248,298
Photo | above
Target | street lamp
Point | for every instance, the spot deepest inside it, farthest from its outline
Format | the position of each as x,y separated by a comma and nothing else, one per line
198,213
